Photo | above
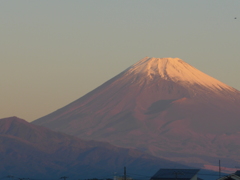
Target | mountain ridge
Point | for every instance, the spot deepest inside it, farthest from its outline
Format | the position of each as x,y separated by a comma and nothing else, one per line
32,151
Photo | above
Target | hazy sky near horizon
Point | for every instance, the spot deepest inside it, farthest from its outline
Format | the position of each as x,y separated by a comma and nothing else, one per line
54,52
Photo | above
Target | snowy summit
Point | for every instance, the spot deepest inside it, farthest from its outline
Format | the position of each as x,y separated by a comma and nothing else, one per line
176,70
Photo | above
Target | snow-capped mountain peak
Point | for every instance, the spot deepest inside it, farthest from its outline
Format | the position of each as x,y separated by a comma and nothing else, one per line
162,106
176,70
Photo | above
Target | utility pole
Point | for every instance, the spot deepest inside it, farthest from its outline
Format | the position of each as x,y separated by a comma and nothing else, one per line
219,168
125,174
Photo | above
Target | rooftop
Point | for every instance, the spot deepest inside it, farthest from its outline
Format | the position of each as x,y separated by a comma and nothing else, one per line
175,173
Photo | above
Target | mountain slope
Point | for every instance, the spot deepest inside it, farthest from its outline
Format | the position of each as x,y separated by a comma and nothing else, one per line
161,106
30,151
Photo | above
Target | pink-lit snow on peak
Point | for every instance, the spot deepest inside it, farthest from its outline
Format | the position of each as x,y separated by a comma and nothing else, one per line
176,70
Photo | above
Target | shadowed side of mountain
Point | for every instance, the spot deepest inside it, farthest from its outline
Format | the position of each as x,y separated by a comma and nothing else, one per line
32,151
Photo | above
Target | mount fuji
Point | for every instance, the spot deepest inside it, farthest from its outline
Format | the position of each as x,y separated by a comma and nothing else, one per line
162,106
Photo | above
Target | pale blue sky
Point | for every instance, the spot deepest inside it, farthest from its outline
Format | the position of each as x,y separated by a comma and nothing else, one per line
54,52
